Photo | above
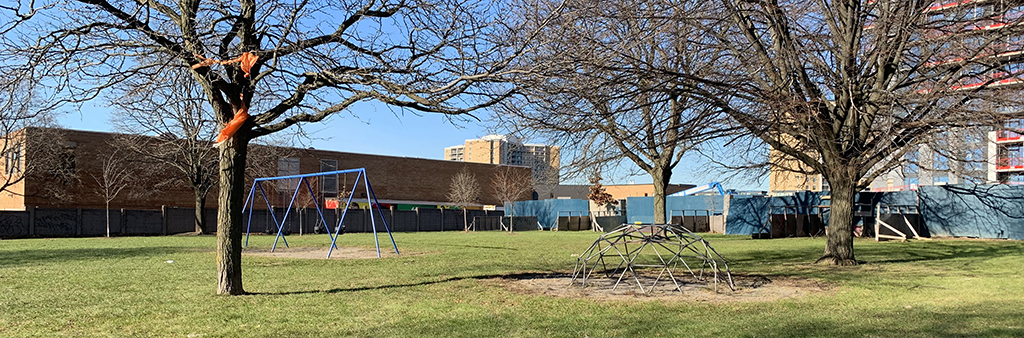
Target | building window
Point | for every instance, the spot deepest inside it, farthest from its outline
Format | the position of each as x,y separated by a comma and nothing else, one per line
329,183
913,182
940,162
911,167
940,180
1010,155
287,167
12,160
975,159
1014,13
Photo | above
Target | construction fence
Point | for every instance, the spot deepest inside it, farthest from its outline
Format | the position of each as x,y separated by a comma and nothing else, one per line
980,211
962,210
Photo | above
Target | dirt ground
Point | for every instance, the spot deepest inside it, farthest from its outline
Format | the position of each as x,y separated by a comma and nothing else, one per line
748,288
321,253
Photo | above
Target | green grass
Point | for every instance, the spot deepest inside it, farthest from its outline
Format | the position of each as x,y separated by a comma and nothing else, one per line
124,287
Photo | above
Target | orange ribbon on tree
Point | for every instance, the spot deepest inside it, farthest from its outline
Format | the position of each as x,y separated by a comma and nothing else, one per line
246,60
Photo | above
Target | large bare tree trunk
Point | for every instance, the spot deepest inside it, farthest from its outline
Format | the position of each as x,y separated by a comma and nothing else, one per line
229,218
659,202
200,211
660,178
839,241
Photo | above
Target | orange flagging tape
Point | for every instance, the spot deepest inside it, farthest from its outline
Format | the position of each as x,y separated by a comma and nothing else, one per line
232,127
247,60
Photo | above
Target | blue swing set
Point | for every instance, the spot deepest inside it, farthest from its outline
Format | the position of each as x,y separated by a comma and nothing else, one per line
304,180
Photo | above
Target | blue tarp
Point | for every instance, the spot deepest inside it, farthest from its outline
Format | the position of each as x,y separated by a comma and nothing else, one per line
547,210
641,209
899,198
984,211
748,213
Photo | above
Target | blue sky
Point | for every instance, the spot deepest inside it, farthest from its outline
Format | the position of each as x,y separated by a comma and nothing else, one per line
378,130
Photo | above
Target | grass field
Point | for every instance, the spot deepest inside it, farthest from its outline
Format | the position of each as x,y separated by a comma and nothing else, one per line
440,287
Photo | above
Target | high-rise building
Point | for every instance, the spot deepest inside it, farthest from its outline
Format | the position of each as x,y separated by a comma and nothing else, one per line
509,150
1008,146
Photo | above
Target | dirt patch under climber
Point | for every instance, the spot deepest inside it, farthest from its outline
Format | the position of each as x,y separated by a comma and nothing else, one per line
752,288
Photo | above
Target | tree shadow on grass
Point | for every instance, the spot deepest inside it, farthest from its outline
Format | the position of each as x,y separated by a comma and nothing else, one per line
989,320
900,258
18,258
406,285
937,251
885,253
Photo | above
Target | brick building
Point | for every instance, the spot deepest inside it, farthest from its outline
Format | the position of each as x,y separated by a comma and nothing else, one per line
397,181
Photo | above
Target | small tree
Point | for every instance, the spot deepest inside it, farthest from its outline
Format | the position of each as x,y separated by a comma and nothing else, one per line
305,200
22,107
510,185
51,158
598,194
168,122
114,177
463,191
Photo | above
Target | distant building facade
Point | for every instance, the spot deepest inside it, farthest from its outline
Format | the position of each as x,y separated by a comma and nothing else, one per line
788,175
397,181
508,150
961,29
618,191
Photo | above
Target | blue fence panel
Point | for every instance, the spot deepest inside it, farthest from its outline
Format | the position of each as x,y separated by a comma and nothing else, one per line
899,198
746,214
641,209
985,211
547,210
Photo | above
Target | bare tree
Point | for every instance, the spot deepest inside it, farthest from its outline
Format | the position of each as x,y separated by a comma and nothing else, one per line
591,85
845,88
114,177
305,199
49,157
511,184
167,122
463,191
283,62
21,107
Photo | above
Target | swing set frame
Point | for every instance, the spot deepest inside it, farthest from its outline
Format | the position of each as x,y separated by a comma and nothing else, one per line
304,180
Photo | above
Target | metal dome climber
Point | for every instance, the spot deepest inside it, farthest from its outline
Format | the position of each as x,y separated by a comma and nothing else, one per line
303,180
634,249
